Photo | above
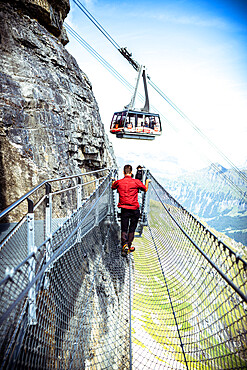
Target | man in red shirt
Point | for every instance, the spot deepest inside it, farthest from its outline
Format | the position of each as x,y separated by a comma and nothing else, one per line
128,202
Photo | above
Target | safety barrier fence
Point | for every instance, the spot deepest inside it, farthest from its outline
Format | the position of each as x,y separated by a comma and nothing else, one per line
35,216
70,301
190,303
63,302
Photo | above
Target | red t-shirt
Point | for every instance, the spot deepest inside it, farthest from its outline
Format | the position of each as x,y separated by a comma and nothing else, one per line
128,192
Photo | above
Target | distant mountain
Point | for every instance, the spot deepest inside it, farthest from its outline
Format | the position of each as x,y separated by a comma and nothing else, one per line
207,194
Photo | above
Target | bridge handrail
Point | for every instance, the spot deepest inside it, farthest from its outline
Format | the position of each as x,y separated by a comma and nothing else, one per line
10,273
231,251
12,231
27,195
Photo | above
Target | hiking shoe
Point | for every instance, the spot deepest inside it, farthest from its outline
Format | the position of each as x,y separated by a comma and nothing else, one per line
131,249
125,249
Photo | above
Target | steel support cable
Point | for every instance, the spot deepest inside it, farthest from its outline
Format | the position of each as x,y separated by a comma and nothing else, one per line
177,204
112,70
229,282
131,88
55,255
122,51
96,23
169,101
100,59
222,174
186,118
170,299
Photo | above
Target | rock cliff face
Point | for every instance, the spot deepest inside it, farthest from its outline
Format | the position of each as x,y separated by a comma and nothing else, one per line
49,13
49,119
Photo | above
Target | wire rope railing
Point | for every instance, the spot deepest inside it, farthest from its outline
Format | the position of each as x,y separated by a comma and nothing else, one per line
190,303
73,302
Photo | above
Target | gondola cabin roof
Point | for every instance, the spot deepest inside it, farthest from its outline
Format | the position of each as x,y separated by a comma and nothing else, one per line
132,124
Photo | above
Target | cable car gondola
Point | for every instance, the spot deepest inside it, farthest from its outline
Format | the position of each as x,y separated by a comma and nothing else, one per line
131,124
134,124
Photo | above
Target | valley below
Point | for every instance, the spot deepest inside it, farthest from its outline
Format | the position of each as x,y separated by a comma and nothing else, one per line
223,208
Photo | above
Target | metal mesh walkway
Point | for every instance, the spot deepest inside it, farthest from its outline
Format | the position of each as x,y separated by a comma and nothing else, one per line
72,301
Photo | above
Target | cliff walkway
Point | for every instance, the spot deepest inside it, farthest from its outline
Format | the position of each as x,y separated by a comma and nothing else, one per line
70,301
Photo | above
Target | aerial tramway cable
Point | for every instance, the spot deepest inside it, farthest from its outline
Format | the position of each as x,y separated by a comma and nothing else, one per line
110,68
127,55
116,74
136,65
113,71
96,23
183,115
100,59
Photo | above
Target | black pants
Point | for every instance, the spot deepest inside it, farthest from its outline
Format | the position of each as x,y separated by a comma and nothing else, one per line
129,221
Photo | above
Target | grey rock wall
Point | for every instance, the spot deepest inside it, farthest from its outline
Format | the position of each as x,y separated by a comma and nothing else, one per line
49,119
49,13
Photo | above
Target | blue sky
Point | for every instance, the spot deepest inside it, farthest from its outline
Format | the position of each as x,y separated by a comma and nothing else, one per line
195,51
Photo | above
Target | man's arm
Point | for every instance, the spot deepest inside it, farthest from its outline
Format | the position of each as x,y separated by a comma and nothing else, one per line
141,186
147,183
114,184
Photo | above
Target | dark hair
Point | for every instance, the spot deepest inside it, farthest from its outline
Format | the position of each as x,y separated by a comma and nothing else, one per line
127,169
138,167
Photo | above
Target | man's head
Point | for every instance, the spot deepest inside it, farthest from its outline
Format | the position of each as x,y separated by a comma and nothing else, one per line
127,169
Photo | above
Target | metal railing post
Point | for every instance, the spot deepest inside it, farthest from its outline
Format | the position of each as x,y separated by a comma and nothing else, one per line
48,220
48,210
115,209
79,204
96,199
114,200
109,208
32,319
79,193
48,227
146,201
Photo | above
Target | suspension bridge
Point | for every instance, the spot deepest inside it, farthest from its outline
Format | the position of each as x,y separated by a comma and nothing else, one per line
69,300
